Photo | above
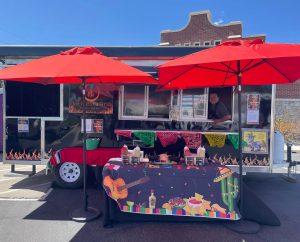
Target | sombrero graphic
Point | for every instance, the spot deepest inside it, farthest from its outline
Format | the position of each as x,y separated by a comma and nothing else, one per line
223,173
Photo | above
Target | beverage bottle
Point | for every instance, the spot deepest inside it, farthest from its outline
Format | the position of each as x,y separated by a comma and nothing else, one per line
152,199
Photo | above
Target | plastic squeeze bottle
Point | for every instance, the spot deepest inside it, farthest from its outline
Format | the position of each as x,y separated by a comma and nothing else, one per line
137,151
186,151
124,150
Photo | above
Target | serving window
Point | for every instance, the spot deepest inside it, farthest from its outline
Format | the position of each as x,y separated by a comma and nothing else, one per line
145,103
193,104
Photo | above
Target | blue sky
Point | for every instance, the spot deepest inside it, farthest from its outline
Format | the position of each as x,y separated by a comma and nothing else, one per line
136,22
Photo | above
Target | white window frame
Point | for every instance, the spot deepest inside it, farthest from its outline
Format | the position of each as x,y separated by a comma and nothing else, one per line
187,44
203,118
122,116
218,40
195,118
232,107
197,43
146,101
207,42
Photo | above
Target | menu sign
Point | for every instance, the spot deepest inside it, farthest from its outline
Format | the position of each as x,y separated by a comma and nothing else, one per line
99,100
93,125
253,103
23,125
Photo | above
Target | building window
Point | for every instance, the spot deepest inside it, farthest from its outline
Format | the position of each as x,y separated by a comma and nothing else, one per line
177,44
207,43
197,44
217,42
187,44
193,104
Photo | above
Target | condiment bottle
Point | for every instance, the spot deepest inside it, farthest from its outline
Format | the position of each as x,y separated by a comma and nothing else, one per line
137,151
186,151
202,154
124,150
201,151
152,200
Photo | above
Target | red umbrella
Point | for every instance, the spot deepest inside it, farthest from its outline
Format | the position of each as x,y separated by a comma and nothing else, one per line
72,66
77,65
256,62
234,63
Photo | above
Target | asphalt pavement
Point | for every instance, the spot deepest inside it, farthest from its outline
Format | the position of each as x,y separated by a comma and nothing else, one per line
34,211
50,220
21,184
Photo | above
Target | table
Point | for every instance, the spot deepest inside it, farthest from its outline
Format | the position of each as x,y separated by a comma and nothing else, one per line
209,191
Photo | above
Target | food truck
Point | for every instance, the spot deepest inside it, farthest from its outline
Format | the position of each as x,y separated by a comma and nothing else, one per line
43,123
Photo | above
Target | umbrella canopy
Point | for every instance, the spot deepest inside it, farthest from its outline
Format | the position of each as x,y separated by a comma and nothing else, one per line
77,66
258,63
234,63
71,66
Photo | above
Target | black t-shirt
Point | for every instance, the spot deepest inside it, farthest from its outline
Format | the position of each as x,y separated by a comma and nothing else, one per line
216,111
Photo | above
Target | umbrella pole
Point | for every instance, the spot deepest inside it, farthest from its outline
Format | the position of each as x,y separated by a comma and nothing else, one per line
239,79
85,213
85,196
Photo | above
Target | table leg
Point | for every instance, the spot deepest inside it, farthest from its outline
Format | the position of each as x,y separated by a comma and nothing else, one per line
107,222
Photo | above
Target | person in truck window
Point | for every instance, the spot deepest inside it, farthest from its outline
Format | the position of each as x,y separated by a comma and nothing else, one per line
217,110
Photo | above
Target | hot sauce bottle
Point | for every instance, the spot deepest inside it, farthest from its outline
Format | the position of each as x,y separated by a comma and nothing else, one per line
124,150
152,200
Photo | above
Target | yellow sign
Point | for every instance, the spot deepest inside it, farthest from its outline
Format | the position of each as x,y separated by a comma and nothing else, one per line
255,141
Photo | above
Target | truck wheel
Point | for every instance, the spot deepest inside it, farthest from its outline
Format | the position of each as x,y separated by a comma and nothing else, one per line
69,175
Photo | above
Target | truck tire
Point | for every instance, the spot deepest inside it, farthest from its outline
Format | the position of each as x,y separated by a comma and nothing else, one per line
69,175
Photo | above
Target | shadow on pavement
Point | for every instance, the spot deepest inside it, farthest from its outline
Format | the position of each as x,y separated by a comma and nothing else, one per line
281,196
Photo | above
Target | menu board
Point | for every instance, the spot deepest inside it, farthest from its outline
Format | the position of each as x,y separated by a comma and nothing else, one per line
99,99
93,125
253,105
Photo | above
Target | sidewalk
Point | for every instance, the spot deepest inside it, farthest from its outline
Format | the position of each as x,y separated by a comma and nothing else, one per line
21,185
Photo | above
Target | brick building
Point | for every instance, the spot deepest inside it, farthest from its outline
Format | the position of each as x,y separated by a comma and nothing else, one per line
201,31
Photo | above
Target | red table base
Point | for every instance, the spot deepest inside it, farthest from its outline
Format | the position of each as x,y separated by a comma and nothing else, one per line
97,157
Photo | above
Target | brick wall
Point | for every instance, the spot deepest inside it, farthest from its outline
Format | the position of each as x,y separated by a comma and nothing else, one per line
201,29
289,91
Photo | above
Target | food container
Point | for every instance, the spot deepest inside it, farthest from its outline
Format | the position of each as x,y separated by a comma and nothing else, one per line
194,160
92,143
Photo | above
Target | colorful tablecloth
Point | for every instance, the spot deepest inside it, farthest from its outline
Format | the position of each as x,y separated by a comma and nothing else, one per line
93,157
206,191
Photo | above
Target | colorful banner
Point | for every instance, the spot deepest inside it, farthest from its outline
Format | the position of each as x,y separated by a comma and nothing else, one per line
216,139
234,139
192,139
146,137
123,133
199,191
167,137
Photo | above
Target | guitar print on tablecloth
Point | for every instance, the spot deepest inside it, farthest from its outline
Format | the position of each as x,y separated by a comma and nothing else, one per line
199,191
